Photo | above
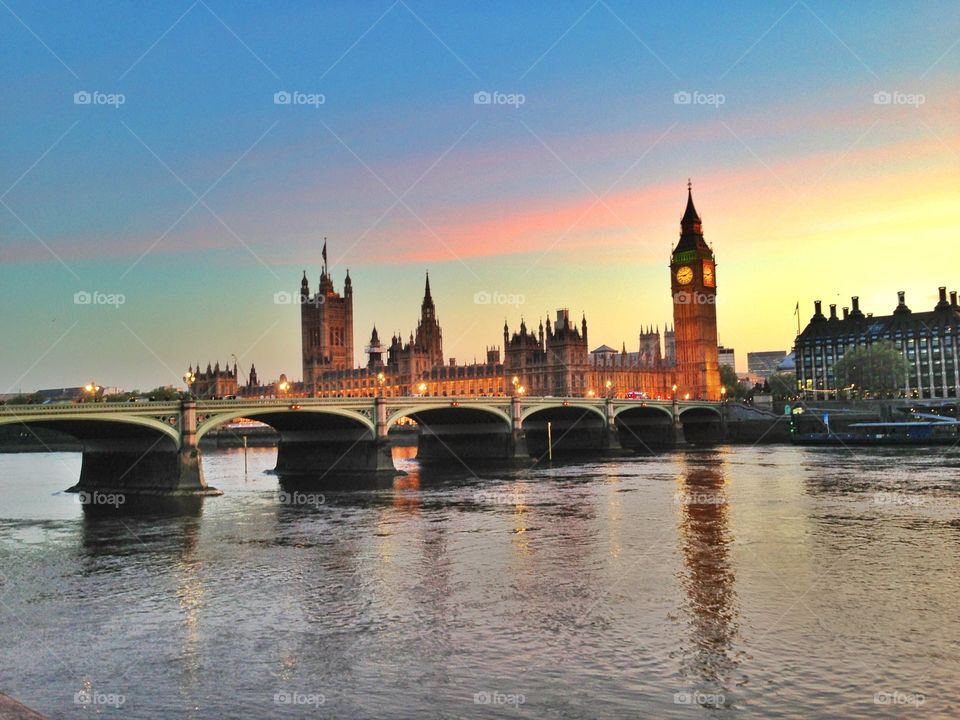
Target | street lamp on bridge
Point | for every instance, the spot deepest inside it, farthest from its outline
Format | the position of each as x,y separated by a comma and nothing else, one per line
189,378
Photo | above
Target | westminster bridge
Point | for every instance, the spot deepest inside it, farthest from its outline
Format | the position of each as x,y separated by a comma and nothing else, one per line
154,447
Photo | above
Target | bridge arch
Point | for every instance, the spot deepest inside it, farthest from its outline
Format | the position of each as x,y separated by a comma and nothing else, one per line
284,418
639,410
701,411
529,411
435,407
84,425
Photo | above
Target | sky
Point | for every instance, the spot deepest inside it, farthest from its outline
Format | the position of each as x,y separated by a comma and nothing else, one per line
156,193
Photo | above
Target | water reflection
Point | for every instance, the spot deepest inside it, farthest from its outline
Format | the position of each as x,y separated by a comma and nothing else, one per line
711,602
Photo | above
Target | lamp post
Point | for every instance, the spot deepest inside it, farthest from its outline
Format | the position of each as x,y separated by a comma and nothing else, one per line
422,388
92,390
516,384
609,386
381,380
189,378
723,393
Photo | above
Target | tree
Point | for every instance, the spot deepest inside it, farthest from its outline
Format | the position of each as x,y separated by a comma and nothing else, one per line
783,385
729,380
879,368
34,399
164,394
120,397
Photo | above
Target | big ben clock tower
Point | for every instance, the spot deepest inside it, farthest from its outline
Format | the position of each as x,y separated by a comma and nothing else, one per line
693,281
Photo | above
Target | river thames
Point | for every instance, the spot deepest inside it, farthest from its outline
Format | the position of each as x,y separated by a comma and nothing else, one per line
773,582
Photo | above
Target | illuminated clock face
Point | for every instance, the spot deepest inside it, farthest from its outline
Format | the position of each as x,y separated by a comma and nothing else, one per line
685,275
709,279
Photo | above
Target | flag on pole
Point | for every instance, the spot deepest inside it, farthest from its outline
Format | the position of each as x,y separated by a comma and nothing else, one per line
324,253
796,310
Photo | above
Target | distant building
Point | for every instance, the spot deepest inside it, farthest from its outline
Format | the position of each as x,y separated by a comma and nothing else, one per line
215,383
928,340
788,364
727,356
764,363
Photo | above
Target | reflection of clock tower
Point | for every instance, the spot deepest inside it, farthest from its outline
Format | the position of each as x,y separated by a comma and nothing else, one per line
694,285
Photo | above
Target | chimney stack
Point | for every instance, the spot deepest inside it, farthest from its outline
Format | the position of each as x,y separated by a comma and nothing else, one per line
901,295
817,305
846,313
943,304
856,303
953,299
833,312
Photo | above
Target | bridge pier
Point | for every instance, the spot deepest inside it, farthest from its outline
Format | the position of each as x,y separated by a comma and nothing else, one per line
611,434
308,453
677,437
141,465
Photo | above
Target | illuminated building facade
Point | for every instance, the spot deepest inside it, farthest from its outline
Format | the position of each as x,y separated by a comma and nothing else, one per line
553,360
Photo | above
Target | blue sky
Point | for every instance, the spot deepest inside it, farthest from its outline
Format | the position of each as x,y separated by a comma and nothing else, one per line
806,184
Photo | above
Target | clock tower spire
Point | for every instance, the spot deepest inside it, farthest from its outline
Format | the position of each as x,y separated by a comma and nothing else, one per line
693,282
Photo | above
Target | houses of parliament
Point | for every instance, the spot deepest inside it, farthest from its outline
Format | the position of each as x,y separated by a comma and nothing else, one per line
551,359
